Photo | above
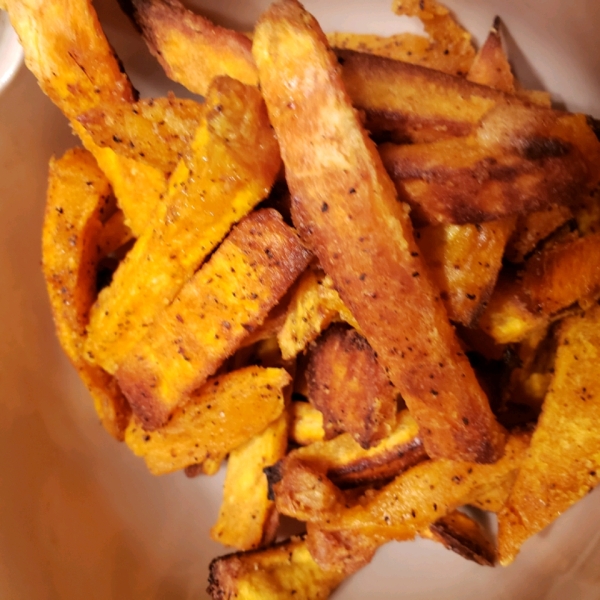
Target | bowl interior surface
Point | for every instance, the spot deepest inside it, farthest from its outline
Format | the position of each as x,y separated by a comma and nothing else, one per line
80,515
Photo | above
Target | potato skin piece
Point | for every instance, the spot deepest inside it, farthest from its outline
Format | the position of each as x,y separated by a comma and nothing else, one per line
234,164
78,194
563,463
219,417
350,388
285,570
191,49
213,313
345,207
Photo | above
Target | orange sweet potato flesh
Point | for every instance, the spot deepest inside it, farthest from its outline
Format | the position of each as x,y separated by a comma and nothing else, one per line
350,388
234,162
345,207
563,463
227,298
156,132
191,49
219,417
78,194
518,160
464,262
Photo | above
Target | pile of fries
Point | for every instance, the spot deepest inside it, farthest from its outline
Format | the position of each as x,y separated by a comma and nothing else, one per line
364,271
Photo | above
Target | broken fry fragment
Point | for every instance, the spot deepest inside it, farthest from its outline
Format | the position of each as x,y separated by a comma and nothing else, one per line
219,417
211,315
345,207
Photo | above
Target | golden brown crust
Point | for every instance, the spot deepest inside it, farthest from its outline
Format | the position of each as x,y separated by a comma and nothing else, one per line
212,314
191,49
350,388
345,207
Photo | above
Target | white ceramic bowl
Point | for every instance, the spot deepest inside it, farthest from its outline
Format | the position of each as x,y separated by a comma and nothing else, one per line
80,516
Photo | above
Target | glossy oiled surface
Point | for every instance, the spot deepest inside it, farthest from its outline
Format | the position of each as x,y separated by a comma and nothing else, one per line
80,516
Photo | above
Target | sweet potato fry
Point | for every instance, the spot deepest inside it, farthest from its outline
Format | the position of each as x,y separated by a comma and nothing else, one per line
67,51
463,535
306,424
345,207
518,160
348,465
219,417
247,518
350,388
156,132
563,463
464,262
491,66
78,194
214,311
314,305
181,39
424,494
234,163
286,570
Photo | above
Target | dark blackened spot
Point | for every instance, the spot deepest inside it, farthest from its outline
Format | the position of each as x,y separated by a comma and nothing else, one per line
537,148
465,420
414,254
434,392
352,191
59,210
269,253
341,60
324,207
471,296
415,274
117,139
362,276
179,318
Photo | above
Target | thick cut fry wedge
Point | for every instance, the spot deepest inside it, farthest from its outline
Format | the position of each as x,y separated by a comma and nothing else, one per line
78,194
234,163
314,305
464,262
191,49
518,160
349,465
156,132
491,66
67,51
212,314
463,535
286,570
346,209
219,417
247,518
410,103
534,227
350,388
563,463
423,495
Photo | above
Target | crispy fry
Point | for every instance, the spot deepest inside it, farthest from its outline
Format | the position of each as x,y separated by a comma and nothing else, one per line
491,66
235,161
347,464
180,39
534,227
221,416
346,209
78,194
563,463
518,160
314,305
398,511
350,388
464,262
156,132
307,424
247,518
214,311
463,535
286,570
410,103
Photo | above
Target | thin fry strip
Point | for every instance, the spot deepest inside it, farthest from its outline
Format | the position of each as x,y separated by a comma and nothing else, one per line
235,161
78,194
346,209
212,314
